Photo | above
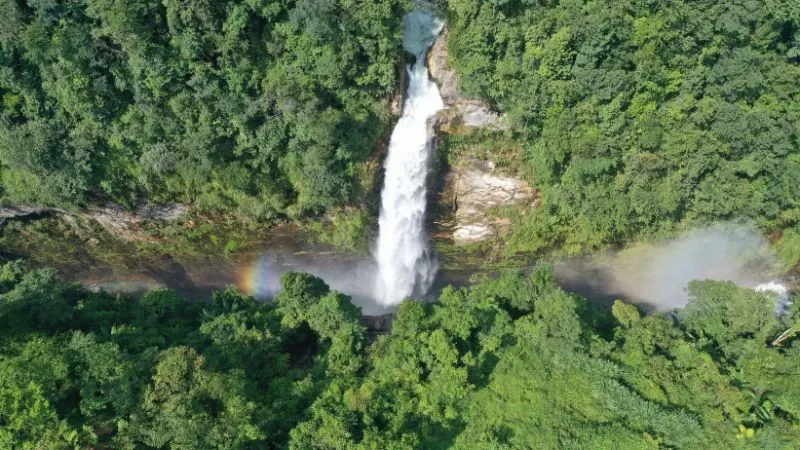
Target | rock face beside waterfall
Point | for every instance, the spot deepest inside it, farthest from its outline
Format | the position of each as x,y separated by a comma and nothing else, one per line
461,111
478,189
473,186
440,71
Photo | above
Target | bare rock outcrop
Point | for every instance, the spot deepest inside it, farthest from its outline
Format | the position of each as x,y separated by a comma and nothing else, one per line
21,212
168,212
479,115
478,189
461,110
440,71
124,224
127,224
475,185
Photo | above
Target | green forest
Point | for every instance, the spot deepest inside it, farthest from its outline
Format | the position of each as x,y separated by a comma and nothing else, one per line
631,119
640,116
513,362
263,107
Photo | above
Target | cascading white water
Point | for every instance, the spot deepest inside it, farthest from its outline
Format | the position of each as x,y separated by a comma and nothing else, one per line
405,266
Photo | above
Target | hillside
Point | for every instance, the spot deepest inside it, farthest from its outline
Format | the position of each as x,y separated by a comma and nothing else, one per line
576,222
510,363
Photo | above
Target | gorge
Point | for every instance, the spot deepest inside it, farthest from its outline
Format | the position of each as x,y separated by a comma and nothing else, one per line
401,263
343,224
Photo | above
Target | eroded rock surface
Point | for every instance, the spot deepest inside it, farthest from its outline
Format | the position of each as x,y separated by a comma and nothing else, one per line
399,97
21,212
440,71
476,186
460,110
379,324
126,224
114,218
478,189
168,212
478,115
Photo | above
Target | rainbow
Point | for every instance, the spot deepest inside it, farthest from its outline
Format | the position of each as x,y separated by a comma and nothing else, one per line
258,277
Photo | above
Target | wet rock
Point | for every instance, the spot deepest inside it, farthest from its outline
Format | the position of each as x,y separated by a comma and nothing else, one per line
396,105
378,324
126,285
478,189
399,97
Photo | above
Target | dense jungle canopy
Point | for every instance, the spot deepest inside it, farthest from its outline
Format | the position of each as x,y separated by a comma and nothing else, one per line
260,106
640,115
509,363
633,118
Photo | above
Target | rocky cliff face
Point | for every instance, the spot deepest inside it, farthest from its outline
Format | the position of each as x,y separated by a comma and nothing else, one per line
473,185
440,71
396,103
479,190
461,110
126,225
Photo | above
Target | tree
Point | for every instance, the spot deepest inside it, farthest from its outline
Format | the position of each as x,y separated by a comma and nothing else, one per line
623,132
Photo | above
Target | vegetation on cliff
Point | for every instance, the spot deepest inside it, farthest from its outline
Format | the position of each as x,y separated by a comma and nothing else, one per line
509,363
634,117
640,116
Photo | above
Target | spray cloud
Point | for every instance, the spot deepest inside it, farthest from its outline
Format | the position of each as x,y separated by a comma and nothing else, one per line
657,275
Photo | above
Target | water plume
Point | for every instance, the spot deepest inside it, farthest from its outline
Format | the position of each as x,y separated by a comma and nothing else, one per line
346,273
657,275
405,266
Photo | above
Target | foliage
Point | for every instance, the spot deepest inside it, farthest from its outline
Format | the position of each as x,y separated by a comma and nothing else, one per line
261,107
640,116
347,230
89,370
788,249
517,363
513,362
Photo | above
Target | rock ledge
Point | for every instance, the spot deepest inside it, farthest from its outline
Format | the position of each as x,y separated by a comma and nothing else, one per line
478,189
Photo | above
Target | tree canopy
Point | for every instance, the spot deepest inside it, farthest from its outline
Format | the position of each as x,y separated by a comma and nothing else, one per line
639,116
261,106
513,362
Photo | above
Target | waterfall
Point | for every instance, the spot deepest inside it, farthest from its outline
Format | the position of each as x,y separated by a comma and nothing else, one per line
405,266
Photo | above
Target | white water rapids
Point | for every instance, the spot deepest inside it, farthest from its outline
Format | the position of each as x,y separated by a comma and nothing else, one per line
405,266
